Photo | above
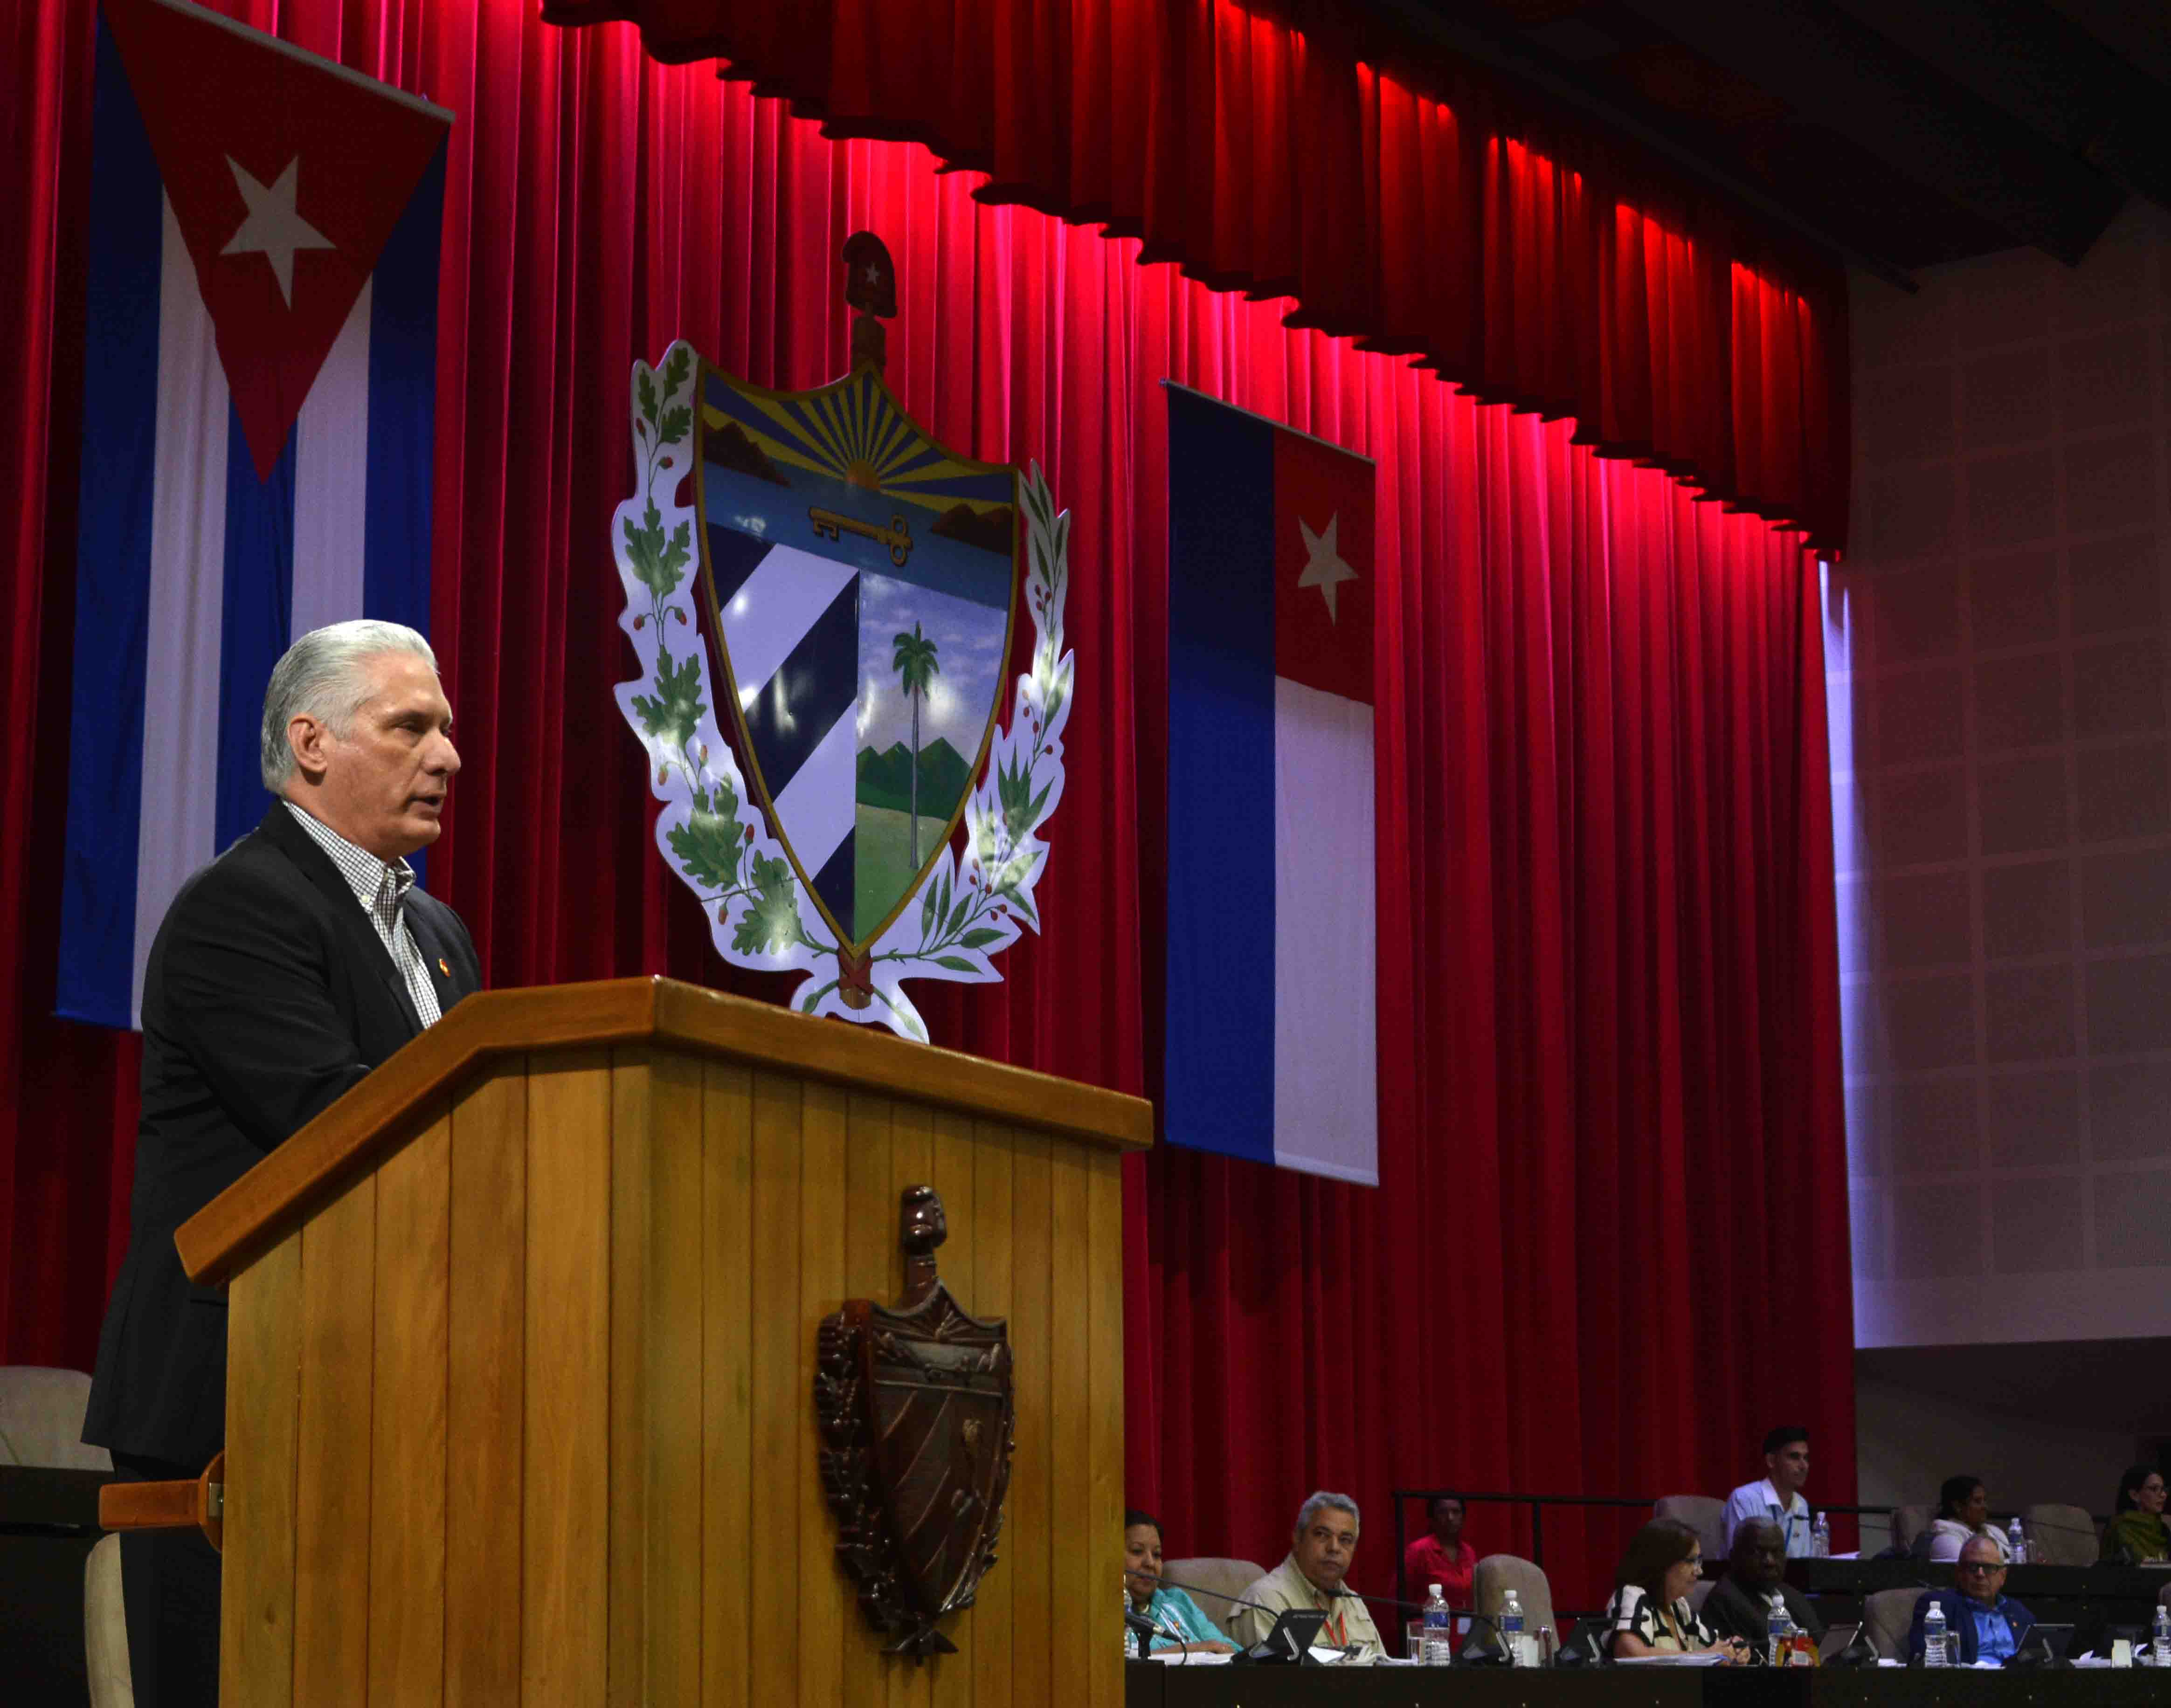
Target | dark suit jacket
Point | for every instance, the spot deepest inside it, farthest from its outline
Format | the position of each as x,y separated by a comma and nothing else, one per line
1734,1612
267,995
1959,1622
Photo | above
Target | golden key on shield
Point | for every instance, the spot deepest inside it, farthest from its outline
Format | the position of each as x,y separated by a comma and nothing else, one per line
897,536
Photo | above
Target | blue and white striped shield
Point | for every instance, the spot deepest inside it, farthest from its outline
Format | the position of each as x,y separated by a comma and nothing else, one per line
861,581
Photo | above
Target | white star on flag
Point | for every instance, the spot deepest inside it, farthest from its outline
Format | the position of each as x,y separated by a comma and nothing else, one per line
1323,567
274,229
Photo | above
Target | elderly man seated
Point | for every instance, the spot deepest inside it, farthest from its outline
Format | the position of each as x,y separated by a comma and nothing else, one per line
1983,1623
1740,1603
1319,1557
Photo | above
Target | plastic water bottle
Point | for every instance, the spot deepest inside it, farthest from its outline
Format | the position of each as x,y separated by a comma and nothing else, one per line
1439,1630
1778,1628
1130,1636
1511,1629
1933,1636
1821,1537
2160,1643
2016,1545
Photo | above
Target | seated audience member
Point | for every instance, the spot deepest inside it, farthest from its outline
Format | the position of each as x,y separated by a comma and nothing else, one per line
1441,1557
1981,1621
1740,1603
2137,1532
1319,1557
1184,1630
1963,1511
1650,1613
1778,1497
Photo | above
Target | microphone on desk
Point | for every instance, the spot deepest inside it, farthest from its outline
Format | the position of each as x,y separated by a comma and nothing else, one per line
1477,1652
1273,1612
1242,1653
1146,1629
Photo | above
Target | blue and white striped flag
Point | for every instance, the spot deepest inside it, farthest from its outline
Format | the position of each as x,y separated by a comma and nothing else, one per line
259,396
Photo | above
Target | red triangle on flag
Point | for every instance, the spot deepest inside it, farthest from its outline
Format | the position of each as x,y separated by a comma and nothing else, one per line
286,173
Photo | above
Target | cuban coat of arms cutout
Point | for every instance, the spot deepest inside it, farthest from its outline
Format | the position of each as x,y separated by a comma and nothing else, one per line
861,584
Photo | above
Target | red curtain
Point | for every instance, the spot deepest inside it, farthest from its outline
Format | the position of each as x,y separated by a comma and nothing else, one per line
1609,1072
1426,206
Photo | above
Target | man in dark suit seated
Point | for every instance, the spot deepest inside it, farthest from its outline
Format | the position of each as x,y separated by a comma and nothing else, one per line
1740,1603
1983,1623
284,971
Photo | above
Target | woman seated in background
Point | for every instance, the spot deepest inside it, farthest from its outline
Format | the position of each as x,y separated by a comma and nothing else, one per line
2137,1531
1650,1613
1179,1627
1963,1511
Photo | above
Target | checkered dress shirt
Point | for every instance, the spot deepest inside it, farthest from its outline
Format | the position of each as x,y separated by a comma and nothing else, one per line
382,890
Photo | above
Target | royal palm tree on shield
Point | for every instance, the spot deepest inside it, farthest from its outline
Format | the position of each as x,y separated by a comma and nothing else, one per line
916,667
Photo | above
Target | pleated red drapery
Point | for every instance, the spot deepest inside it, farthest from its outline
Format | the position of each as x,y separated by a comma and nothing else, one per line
1609,1073
1421,204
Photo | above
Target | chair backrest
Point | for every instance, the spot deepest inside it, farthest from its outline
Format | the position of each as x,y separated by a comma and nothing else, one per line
1700,1592
2060,1535
105,1630
1221,1578
1498,1573
1910,1522
1704,1514
41,1419
1887,1613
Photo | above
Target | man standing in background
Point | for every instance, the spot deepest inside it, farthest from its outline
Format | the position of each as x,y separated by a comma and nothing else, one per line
1778,1497
1440,1556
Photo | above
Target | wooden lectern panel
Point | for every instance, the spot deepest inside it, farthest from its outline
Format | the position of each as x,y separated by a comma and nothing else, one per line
407,1382
522,1412
485,1408
565,1492
263,1367
825,1599
993,1294
334,1450
727,1287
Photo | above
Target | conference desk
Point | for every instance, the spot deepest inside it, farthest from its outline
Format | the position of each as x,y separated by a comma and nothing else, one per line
1165,1685
2088,1597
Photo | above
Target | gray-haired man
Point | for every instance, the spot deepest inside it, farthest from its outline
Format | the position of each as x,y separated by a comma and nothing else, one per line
284,971
1320,1551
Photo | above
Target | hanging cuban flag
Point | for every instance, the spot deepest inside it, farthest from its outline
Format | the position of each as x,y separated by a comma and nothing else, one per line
258,395
1272,927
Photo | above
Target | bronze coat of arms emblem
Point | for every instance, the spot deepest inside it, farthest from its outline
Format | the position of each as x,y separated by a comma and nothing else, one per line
917,1427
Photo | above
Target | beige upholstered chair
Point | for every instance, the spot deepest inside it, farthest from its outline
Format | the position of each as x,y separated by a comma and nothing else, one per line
41,1424
41,1419
1222,1577
1498,1573
105,1630
1704,1514
1887,1613
1699,1593
1910,1522
2060,1535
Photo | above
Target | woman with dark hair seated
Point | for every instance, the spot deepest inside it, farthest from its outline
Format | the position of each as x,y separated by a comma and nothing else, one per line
2137,1532
1963,1511
1650,1613
1181,1627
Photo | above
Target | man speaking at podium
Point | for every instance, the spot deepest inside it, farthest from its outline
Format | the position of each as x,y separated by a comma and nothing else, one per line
284,971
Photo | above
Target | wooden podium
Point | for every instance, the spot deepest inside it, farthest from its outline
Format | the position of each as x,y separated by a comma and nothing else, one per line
519,1399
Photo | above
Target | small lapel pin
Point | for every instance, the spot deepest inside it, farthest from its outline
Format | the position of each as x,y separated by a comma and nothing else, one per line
444,967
